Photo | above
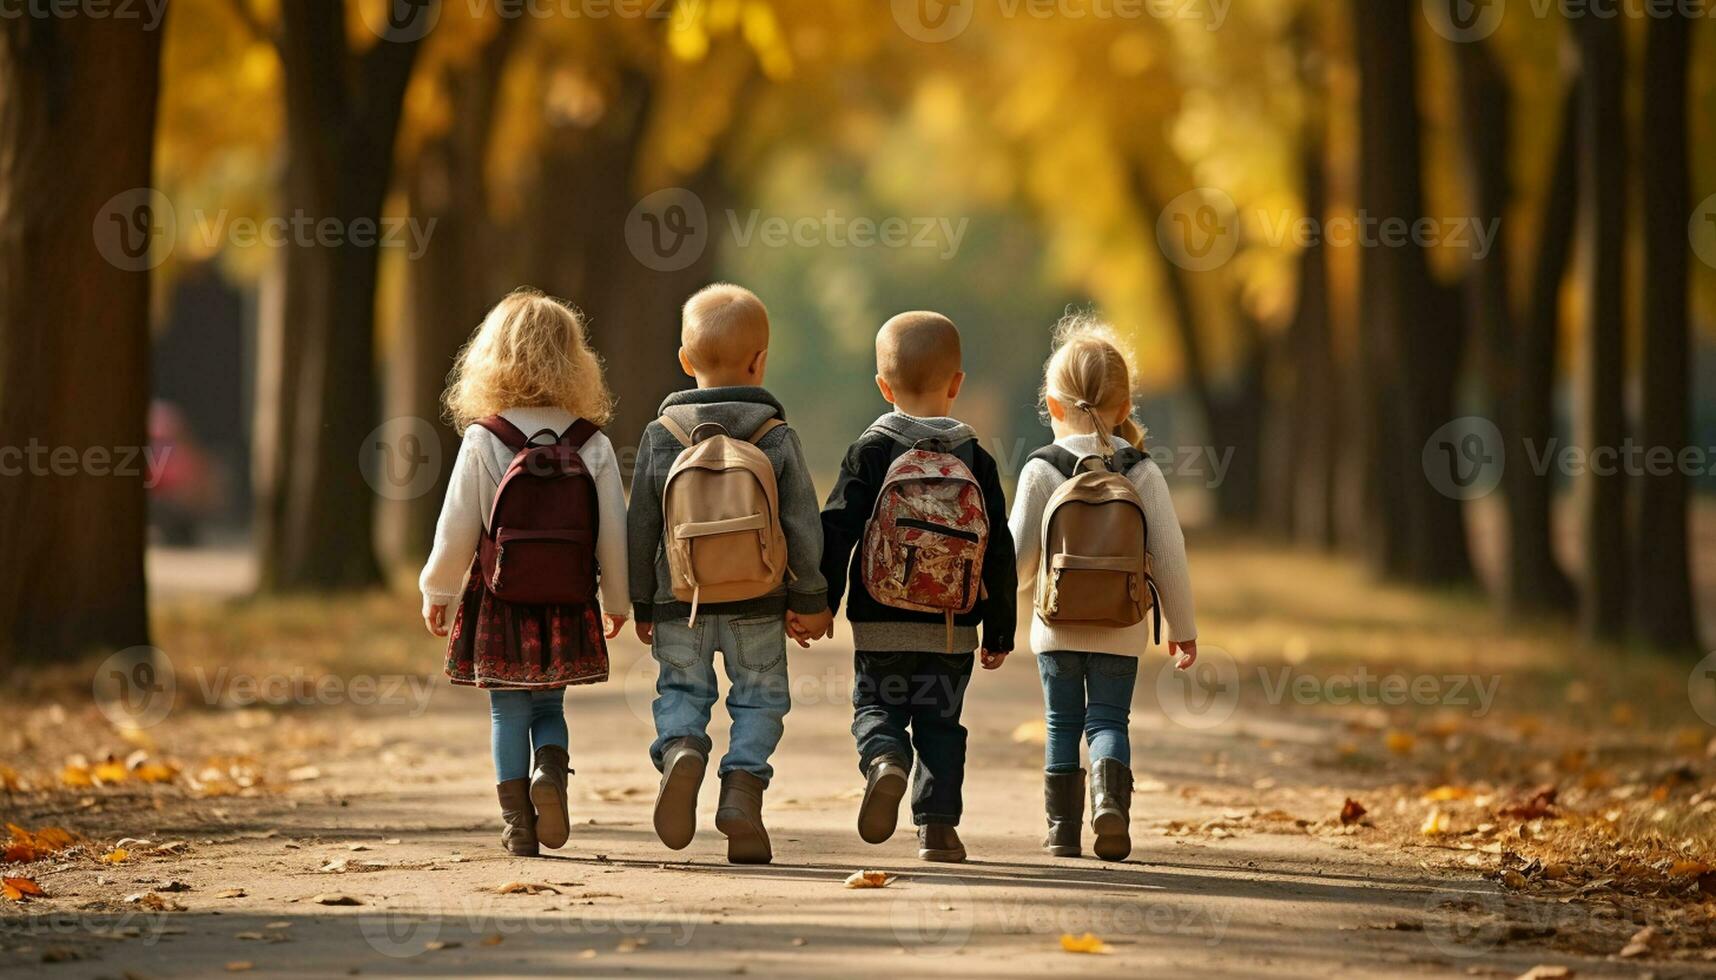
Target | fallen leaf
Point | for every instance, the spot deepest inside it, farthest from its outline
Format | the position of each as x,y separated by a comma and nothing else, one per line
1087,943
21,889
436,944
1351,811
230,893
1541,803
1435,825
869,879
526,888
1447,794
116,855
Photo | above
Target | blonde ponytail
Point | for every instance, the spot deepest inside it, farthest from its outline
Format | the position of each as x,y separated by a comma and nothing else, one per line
1090,373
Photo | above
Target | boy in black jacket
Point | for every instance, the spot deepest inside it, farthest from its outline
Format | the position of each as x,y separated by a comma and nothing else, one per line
908,674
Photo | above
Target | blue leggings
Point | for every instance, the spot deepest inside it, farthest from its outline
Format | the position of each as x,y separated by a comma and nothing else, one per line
524,721
1088,694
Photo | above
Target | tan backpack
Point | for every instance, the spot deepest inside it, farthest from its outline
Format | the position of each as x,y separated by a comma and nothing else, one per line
721,516
1095,563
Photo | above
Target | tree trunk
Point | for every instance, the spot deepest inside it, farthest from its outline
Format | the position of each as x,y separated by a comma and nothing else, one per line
1604,220
1417,345
342,114
1663,611
74,331
453,283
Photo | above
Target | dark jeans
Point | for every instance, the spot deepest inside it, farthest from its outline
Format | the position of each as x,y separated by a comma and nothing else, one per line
925,692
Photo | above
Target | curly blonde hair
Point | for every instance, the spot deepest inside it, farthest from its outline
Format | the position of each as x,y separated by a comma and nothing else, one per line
1089,372
531,351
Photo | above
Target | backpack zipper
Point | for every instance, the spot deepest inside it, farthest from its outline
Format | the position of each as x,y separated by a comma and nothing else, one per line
952,532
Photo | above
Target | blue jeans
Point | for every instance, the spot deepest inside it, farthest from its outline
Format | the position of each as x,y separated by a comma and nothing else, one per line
1088,694
753,651
524,721
922,692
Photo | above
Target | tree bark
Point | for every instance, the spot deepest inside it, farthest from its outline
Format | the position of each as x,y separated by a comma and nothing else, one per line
77,127
454,282
1602,371
1415,353
342,115
1663,611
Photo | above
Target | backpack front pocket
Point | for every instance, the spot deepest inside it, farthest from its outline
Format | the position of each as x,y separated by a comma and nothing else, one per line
542,566
719,553
1094,590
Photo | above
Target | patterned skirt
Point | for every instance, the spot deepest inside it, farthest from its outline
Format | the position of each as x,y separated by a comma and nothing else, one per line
504,645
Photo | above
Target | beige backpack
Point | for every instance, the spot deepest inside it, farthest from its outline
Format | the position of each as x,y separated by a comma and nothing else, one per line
1095,564
721,517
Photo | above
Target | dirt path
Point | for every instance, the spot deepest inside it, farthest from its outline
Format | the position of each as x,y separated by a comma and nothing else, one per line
1240,866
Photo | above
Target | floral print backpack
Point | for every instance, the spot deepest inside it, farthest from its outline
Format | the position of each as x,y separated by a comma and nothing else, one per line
924,545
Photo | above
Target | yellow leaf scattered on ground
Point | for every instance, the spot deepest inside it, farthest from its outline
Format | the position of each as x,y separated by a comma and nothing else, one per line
76,777
868,879
1087,943
20,889
1399,742
1435,825
25,845
116,855
1445,794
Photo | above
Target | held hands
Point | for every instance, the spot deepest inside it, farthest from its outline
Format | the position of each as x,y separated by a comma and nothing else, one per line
645,631
616,622
1187,652
990,659
435,617
804,628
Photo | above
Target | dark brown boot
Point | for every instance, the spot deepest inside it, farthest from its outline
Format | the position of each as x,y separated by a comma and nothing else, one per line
548,796
1111,809
682,767
519,837
1063,801
940,842
884,787
740,817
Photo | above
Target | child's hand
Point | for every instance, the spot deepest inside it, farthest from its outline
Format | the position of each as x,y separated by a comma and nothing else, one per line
803,629
435,617
992,660
645,631
1187,651
616,622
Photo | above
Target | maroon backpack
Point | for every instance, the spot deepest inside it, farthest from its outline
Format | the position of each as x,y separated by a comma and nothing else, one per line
540,546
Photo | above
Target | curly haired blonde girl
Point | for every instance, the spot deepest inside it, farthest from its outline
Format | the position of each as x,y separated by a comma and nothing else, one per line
531,351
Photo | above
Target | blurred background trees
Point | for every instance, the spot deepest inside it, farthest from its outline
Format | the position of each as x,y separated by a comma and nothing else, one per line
1185,171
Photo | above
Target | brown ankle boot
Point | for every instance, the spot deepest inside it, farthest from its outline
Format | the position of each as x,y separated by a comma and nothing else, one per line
1111,809
682,767
883,789
940,842
1063,801
519,837
548,796
741,818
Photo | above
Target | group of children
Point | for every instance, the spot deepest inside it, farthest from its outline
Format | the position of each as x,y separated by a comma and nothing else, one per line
724,548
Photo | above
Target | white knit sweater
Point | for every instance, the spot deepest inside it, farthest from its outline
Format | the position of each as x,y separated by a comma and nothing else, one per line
483,460
1037,483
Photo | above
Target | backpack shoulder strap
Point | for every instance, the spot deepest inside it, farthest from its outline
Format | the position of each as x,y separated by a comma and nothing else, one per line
1125,459
676,430
766,428
1062,459
506,432
578,433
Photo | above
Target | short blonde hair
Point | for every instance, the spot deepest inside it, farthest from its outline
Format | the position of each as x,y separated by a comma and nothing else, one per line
531,351
722,326
1089,372
918,352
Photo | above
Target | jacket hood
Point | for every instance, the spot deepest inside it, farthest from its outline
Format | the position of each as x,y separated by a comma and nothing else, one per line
908,430
741,410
